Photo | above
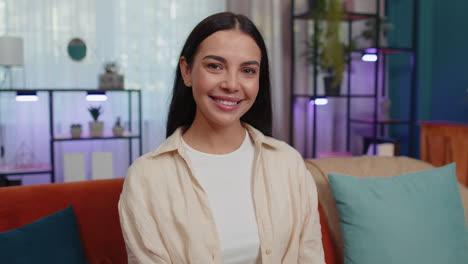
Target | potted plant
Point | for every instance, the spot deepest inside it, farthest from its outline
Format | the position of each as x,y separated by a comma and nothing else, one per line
367,37
111,79
95,127
75,130
118,129
329,66
330,53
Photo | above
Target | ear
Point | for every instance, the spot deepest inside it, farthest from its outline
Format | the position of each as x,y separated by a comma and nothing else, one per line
185,71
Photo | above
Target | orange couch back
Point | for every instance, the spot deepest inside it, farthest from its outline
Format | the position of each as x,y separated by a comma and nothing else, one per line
95,206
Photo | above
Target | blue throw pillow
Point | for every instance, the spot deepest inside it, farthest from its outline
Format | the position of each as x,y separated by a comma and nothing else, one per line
52,239
412,218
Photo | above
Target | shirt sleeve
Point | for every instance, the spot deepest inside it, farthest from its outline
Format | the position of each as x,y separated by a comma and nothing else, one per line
140,231
310,248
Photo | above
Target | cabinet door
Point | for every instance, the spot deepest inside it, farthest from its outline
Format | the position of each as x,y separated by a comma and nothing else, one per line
443,143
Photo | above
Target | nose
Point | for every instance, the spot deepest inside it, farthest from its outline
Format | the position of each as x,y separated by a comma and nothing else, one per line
230,82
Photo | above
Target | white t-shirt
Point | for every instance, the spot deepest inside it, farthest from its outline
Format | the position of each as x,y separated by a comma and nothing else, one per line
227,180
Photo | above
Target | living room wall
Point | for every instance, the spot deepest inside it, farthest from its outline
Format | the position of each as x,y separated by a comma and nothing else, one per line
442,93
449,100
144,37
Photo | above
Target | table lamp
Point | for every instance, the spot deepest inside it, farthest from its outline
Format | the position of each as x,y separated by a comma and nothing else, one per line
11,54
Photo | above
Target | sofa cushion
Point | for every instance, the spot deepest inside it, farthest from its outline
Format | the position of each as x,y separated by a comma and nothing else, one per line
410,218
364,166
52,239
95,206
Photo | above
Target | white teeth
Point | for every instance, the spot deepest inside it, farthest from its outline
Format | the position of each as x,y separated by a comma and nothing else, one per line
225,102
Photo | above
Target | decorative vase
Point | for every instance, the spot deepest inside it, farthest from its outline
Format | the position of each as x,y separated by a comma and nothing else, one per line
96,128
329,89
117,131
111,81
75,132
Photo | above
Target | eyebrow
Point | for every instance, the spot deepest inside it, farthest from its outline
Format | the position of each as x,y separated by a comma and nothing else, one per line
223,60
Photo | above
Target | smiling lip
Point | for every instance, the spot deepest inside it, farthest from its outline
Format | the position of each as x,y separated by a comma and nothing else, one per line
226,103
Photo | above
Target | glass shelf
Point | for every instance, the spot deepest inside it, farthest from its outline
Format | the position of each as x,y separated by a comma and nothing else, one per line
379,121
104,137
352,16
25,169
386,50
68,90
333,96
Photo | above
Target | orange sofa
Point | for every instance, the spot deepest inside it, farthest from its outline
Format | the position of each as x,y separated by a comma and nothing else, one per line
95,206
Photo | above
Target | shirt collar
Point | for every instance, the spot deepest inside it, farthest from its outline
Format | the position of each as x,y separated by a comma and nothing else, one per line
174,142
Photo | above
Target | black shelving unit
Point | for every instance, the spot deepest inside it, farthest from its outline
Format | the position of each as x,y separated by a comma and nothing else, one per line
35,169
379,85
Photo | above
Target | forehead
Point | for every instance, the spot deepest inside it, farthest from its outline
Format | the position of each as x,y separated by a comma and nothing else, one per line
230,44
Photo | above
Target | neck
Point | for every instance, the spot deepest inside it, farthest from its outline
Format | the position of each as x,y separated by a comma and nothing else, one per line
211,139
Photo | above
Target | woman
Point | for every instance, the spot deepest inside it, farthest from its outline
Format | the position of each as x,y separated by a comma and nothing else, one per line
219,190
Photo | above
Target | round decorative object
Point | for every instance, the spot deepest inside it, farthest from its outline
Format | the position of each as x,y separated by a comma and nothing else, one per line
76,49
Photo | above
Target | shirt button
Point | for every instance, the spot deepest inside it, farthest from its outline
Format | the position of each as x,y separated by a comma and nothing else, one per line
268,251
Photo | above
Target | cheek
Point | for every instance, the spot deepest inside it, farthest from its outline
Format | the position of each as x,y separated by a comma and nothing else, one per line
252,89
198,85
202,82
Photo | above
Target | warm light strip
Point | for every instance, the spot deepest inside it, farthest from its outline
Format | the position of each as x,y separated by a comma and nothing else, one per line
27,98
96,97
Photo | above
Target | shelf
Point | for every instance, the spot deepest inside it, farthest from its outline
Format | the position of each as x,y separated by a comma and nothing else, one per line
129,138
441,123
386,50
333,96
379,121
68,90
356,95
25,169
345,17
105,137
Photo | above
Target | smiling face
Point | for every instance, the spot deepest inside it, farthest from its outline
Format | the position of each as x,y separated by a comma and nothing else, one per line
224,77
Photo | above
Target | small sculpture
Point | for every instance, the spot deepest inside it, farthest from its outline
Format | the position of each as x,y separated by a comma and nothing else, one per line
75,130
118,129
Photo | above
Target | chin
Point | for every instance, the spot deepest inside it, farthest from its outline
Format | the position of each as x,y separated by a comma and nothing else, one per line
225,122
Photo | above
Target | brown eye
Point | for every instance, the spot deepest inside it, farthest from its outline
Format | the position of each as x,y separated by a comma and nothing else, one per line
214,66
249,71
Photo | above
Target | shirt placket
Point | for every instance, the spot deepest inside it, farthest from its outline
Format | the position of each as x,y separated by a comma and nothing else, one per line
216,254
261,211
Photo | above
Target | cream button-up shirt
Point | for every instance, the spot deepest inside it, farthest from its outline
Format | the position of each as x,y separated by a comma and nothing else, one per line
166,218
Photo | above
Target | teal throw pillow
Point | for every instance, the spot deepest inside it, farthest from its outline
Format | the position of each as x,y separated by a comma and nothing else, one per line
52,239
412,218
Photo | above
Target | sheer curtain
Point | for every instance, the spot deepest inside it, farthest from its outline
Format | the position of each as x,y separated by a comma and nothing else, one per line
272,19
144,38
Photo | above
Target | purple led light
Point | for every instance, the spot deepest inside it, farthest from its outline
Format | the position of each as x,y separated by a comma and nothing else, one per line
321,101
371,50
369,57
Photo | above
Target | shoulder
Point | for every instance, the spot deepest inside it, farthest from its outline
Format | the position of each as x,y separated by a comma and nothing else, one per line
278,148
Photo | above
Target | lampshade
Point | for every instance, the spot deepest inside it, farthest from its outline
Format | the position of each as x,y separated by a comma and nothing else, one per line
11,51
